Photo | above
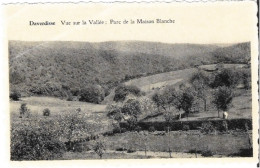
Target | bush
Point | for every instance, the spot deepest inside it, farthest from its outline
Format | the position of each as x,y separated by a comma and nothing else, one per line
151,129
207,153
224,126
69,97
99,148
207,128
121,149
46,112
35,143
225,77
24,111
138,129
122,91
185,128
15,96
131,150
233,124
92,94
194,151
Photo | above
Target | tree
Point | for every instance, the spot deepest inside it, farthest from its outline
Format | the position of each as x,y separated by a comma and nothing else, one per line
183,99
114,112
159,100
35,140
92,94
99,148
246,78
74,126
123,90
24,111
200,83
132,108
225,77
222,98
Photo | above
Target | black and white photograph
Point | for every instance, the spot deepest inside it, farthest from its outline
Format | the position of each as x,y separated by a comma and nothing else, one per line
101,86
135,99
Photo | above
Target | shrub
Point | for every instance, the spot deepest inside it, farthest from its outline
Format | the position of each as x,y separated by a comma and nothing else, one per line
92,94
132,108
207,128
24,111
15,96
69,97
35,143
138,129
224,126
185,128
122,91
46,112
194,151
131,150
121,149
207,153
151,129
99,148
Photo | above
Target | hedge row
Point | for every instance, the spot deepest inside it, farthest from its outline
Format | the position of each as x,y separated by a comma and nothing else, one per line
233,124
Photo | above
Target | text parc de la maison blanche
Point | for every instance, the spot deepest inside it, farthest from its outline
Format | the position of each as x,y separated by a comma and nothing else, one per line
100,22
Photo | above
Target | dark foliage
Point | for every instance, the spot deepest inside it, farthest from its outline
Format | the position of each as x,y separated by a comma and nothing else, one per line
46,112
233,124
131,150
121,149
106,64
151,129
24,110
29,143
132,108
15,96
185,128
207,153
225,77
92,94
207,127
123,90
222,98
248,152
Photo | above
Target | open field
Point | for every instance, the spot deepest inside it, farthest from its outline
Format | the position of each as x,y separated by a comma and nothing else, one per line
56,105
161,80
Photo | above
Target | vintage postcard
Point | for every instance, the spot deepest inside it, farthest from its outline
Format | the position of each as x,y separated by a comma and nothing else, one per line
131,83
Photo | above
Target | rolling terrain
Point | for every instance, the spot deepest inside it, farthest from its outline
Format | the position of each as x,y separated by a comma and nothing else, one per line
55,68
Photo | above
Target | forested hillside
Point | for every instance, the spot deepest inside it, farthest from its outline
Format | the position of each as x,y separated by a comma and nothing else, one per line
64,68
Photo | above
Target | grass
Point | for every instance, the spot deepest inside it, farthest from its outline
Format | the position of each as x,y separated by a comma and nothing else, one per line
182,144
221,144
56,105
161,80
94,112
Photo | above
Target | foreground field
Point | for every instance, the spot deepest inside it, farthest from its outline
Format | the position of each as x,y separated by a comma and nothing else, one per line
183,144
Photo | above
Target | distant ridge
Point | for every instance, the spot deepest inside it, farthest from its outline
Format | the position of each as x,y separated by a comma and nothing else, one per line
77,64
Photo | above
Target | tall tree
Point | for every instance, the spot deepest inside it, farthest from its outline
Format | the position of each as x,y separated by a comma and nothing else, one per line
222,98
200,83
